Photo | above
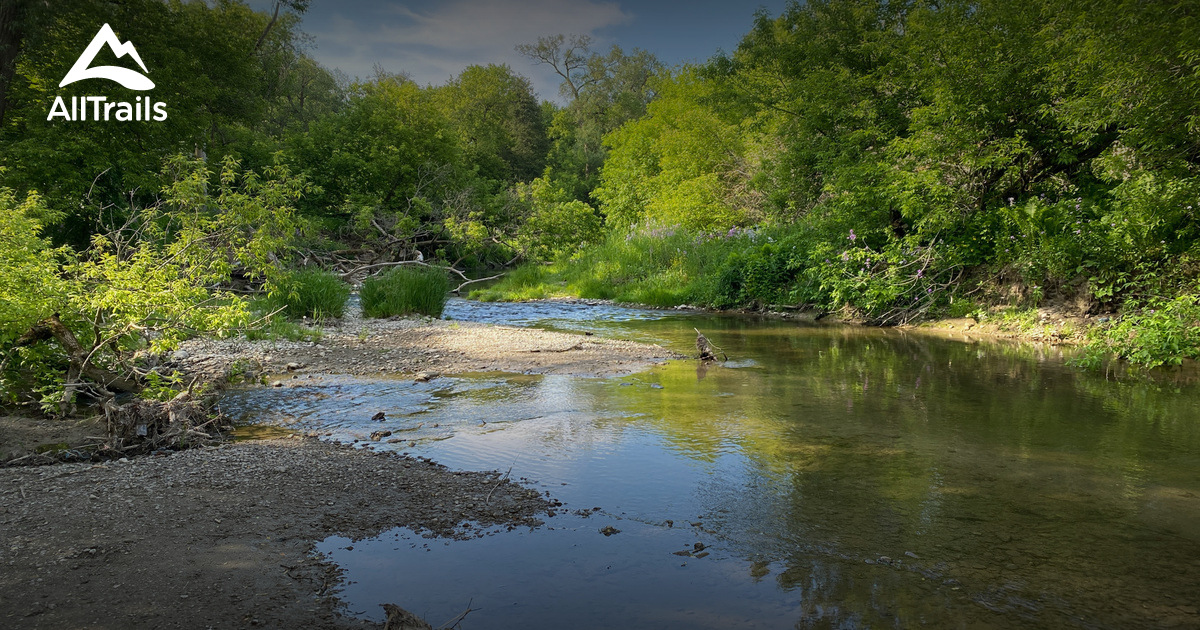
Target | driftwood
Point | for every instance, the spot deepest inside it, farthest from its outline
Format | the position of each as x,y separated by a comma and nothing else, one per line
400,619
148,425
706,348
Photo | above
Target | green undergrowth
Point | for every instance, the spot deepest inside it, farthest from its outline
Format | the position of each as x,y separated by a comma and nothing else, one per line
282,329
405,290
825,268
1159,331
314,293
1152,317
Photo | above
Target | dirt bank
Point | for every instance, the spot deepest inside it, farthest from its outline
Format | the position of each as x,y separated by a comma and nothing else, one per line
220,537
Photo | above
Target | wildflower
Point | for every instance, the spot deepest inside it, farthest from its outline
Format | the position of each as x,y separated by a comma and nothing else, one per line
845,256
1010,201
920,273
853,237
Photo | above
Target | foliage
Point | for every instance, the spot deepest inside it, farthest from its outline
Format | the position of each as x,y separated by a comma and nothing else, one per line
220,98
605,90
555,224
685,162
1160,331
145,283
405,290
30,285
498,121
314,293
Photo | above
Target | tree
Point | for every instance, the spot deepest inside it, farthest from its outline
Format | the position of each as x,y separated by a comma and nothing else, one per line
218,93
605,91
686,162
75,320
498,120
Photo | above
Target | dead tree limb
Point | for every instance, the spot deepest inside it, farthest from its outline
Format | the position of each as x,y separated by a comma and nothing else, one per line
705,347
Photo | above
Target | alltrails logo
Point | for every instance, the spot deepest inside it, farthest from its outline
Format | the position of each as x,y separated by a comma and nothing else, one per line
143,109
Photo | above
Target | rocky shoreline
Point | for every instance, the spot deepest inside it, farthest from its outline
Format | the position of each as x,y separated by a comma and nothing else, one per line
224,536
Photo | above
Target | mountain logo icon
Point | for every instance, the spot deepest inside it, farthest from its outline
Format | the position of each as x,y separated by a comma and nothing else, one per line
129,78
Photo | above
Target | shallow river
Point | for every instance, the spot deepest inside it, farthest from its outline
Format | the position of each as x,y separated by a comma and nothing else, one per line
826,476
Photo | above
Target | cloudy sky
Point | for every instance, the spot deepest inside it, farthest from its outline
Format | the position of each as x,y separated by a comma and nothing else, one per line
433,40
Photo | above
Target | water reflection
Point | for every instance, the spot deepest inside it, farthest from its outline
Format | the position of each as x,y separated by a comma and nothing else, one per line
840,477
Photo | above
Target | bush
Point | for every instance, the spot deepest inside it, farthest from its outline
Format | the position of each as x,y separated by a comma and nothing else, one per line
312,293
1162,332
404,290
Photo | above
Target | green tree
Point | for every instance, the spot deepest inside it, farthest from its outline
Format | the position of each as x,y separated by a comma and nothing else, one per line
604,92
498,121
686,162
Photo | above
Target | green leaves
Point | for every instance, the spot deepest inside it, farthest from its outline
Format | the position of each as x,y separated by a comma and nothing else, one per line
30,285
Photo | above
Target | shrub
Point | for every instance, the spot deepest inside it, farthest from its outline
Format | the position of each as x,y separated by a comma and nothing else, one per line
1162,332
312,293
404,290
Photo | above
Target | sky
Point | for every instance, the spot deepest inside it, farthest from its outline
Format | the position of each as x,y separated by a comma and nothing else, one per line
432,41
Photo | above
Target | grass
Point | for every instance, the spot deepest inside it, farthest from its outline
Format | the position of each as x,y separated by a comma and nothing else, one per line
314,293
279,328
405,290
657,267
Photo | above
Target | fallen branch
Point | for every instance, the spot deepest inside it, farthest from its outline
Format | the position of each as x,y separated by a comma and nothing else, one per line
457,619
488,499
459,287
706,347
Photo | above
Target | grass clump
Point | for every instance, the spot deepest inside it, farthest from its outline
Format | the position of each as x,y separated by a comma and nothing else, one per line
312,293
405,290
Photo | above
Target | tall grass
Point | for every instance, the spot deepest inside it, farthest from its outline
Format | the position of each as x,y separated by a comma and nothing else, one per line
405,290
312,293
656,266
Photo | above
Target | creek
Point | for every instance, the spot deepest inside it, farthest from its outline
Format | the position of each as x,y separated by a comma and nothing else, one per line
826,476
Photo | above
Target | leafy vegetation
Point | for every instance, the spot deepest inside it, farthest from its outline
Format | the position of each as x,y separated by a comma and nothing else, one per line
889,160
906,160
405,290
314,293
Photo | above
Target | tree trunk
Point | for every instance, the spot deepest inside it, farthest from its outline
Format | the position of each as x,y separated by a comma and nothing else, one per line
53,328
10,44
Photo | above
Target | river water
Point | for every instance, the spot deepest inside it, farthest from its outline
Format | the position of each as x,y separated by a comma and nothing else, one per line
824,477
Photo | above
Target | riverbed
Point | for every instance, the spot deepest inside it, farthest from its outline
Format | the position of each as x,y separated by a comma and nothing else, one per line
824,476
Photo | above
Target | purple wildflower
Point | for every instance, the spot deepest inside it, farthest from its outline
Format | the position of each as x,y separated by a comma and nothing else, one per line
853,237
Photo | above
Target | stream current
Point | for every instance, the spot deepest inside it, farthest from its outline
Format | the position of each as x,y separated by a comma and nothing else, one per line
824,477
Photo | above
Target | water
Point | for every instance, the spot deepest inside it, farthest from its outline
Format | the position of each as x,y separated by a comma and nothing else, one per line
836,476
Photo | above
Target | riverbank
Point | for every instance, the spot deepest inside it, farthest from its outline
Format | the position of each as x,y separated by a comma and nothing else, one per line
222,537
358,346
